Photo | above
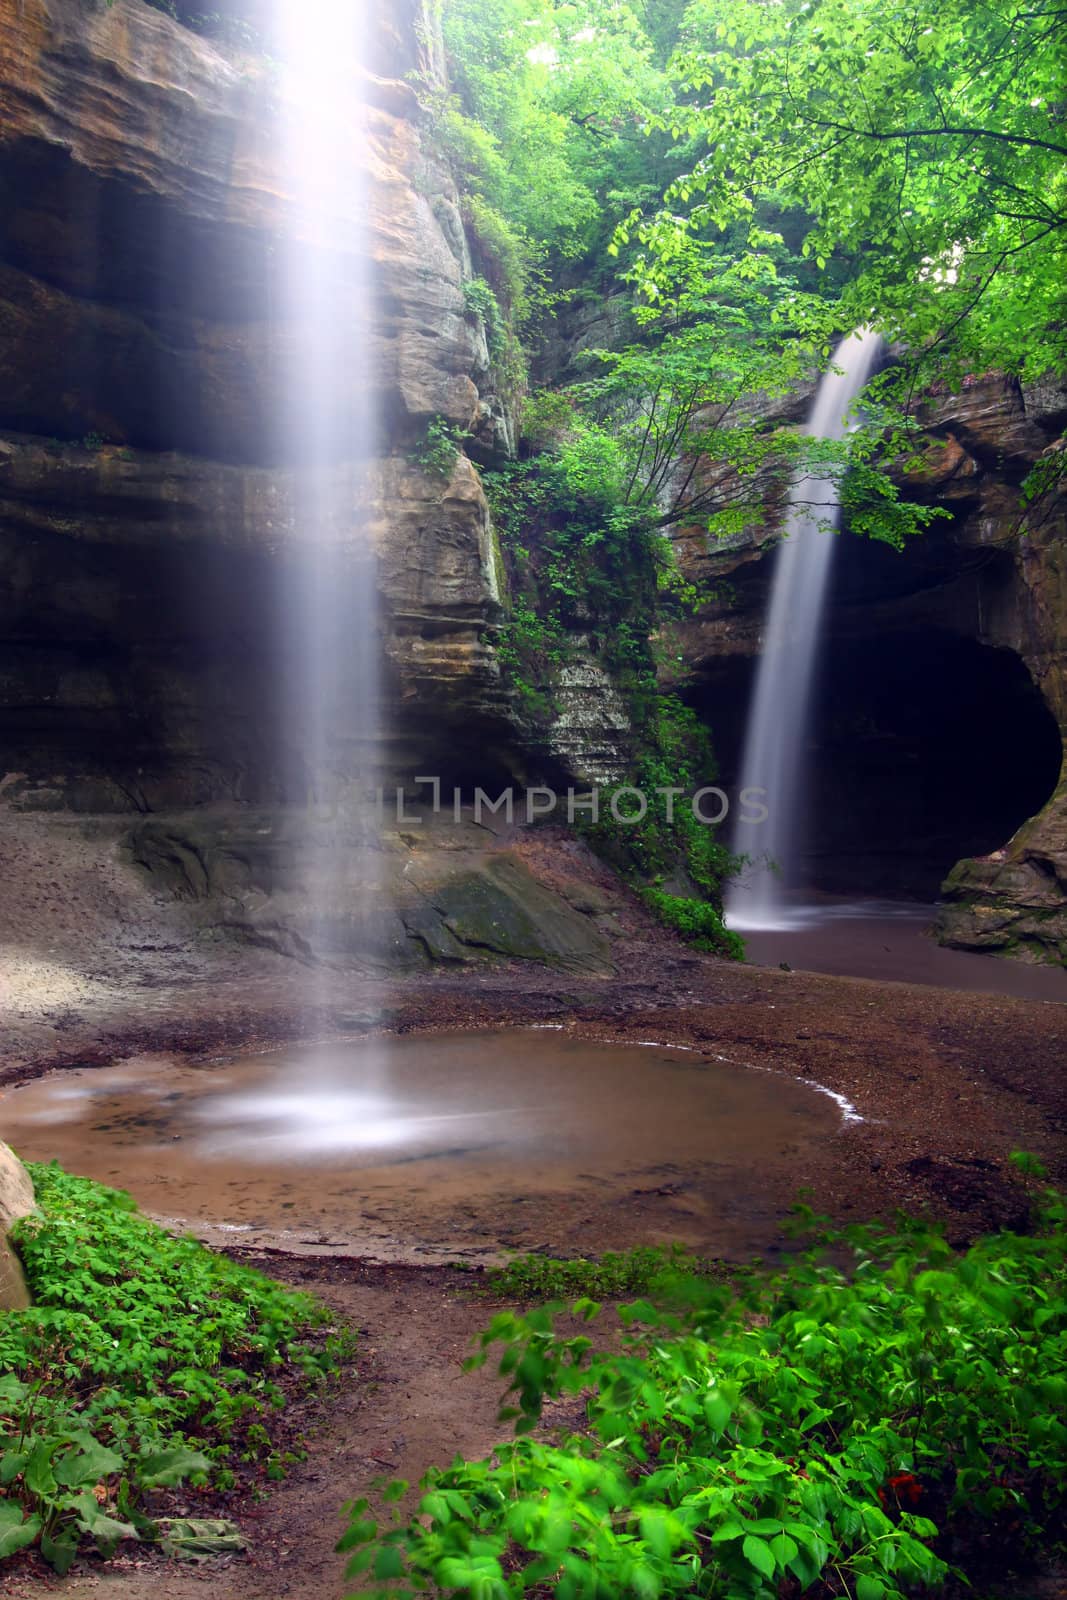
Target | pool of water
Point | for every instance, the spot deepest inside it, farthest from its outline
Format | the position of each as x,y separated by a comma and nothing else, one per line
462,1142
890,940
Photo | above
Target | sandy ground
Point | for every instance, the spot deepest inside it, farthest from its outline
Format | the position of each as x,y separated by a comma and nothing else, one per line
947,1084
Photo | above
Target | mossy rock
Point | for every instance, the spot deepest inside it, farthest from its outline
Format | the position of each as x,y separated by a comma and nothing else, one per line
500,907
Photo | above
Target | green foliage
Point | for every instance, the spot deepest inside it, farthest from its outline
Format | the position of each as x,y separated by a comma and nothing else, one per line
670,842
919,149
576,561
579,559
438,450
482,304
647,1270
143,1360
815,1434
698,922
693,446
540,128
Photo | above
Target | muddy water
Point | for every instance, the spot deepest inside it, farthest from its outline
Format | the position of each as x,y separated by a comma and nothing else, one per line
891,940
437,1145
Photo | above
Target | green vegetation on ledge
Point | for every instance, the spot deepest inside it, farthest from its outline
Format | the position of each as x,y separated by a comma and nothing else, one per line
582,562
676,862
145,1361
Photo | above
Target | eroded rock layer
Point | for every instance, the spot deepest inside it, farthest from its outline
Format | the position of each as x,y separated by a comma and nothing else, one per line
146,540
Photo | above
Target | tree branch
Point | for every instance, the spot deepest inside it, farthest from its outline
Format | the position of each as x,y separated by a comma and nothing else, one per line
927,133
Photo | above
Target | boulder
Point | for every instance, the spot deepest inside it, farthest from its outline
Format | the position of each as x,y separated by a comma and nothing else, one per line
363,891
16,1200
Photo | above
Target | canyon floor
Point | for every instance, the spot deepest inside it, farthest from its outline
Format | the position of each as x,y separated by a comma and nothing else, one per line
946,1085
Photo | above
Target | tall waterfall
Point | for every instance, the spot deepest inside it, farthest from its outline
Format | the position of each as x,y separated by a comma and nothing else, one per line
327,604
773,758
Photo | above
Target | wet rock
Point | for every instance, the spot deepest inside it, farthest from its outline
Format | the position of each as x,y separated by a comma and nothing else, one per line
146,533
355,892
16,1200
500,908
143,204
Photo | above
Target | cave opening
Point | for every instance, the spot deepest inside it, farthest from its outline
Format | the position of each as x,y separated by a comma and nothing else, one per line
925,747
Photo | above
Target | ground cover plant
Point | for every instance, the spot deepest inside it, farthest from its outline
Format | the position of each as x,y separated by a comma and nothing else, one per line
647,1270
855,1430
145,1361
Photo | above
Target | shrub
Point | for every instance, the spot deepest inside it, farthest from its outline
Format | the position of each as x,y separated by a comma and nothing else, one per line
647,1269
438,450
144,1360
820,1433
482,304
697,921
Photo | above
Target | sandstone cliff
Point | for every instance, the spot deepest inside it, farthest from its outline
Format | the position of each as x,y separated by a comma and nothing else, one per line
145,540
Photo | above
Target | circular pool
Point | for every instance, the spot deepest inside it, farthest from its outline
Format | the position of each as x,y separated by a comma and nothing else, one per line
440,1144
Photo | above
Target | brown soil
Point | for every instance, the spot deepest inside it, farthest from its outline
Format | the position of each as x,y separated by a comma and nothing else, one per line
948,1084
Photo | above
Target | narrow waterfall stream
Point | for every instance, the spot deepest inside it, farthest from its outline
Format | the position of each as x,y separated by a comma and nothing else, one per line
773,759
327,609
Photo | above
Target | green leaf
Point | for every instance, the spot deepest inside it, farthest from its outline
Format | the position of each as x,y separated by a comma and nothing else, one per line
107,1531
13,1391
38,1475
718,1410
784,1549
86,1465
60,1548
727,1530
16,1531
11,1464
758,1554
165,1468
200,1538
389,1563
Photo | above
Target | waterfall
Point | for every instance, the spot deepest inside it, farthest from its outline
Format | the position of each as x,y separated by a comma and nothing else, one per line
327,605
773,759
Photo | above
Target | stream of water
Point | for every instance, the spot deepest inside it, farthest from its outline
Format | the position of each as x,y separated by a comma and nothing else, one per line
773,759
328,605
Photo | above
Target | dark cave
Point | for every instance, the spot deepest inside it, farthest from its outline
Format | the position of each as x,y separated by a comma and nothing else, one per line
926,747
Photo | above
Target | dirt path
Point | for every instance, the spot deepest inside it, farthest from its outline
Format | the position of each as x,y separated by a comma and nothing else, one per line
407,1406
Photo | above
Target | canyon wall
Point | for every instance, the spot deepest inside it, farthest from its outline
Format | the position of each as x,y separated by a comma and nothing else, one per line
148,545
942,706
146,540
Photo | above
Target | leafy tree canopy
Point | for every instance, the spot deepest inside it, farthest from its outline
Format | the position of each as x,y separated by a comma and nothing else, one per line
921,141
548,98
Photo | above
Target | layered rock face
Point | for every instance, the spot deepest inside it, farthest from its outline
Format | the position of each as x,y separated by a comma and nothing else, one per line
941,708
146,535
